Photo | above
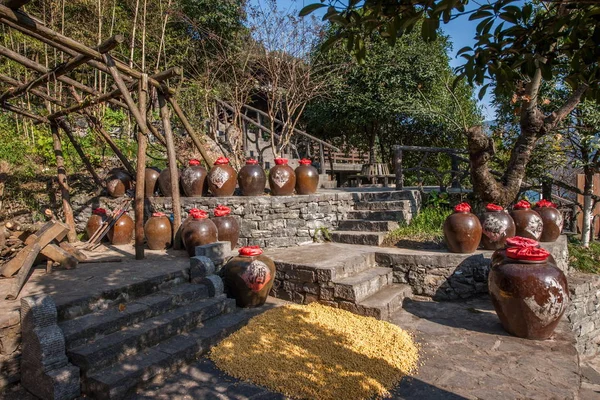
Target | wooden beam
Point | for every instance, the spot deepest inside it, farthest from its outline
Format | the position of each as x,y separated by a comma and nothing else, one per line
26,264
164,113
189,129
111,95
25,113
88,165
14,4
36,92
29,25
140,179
41,69
61,69
62,183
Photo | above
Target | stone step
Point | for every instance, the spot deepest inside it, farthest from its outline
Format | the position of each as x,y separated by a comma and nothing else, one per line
120,380
413,195
382,215
93,326
354,237
116,346
388,300
367,226
362,285
138,287
395,205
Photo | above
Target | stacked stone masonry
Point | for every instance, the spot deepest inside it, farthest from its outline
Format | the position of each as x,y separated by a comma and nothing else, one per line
583,313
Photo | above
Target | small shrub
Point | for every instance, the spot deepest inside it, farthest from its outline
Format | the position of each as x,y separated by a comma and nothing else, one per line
582,259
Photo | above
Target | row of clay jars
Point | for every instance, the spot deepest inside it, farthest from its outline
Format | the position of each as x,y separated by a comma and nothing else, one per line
198,230
120,233
528,291
283,180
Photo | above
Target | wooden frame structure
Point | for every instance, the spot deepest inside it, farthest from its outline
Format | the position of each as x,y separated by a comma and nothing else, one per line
126,80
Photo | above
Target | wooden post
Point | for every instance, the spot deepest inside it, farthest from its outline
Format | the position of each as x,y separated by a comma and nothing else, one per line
454,175
547,189
39,93
164,113
69,132
63,184
322,159
398,168
141,171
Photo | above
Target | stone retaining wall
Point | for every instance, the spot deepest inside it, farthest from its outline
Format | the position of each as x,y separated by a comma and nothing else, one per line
10,351
583,313
267,221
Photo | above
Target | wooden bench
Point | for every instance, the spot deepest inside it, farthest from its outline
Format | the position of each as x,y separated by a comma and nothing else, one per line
374,174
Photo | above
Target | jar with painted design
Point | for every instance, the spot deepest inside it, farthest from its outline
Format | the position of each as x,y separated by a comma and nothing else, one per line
227,226
462,230
122,231
164,181
158,231
96,220
193,179
222,178
198,230
248,278
528,223
552,220
529,294
282,178
118,183
307,177
151,175
252,179
496,225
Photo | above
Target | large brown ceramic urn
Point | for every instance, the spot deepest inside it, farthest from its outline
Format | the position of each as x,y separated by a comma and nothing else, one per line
529,294
122,231
462,230
118,183
248,278
252,179
282,179
227,226
528,223
95,222
198,230
496,227
499,256
193,179
552,220
164,181
222,178
151,181
307,178
158,231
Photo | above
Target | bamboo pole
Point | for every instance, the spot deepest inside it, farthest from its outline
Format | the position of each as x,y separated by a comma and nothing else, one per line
41,69
164,113
141,171
88,165
36,92
62,183
29,25
25,113
61,69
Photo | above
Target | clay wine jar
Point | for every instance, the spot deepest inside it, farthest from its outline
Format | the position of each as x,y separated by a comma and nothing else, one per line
164,181
158,231
462,230
96,220
222,178
122,231
552,220
282,179
248,278
252,179
197,230
528,223
529,294
227,226
499,256
151,181
193,179
118,183
497,225
307,178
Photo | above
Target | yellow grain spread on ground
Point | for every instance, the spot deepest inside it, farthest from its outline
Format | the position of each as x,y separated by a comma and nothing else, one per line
318,352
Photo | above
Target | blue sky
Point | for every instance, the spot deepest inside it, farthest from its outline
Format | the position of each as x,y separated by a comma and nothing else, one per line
461,32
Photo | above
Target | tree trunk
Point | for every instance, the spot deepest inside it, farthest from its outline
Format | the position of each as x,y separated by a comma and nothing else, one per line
588,189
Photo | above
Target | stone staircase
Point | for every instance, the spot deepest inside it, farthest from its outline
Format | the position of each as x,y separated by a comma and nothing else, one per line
375,215
150,331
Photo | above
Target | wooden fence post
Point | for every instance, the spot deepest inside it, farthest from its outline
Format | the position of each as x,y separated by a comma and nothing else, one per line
141,170
322,159
454,174
398,167
63,184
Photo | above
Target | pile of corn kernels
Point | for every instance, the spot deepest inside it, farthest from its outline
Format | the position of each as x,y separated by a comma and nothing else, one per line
319,352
